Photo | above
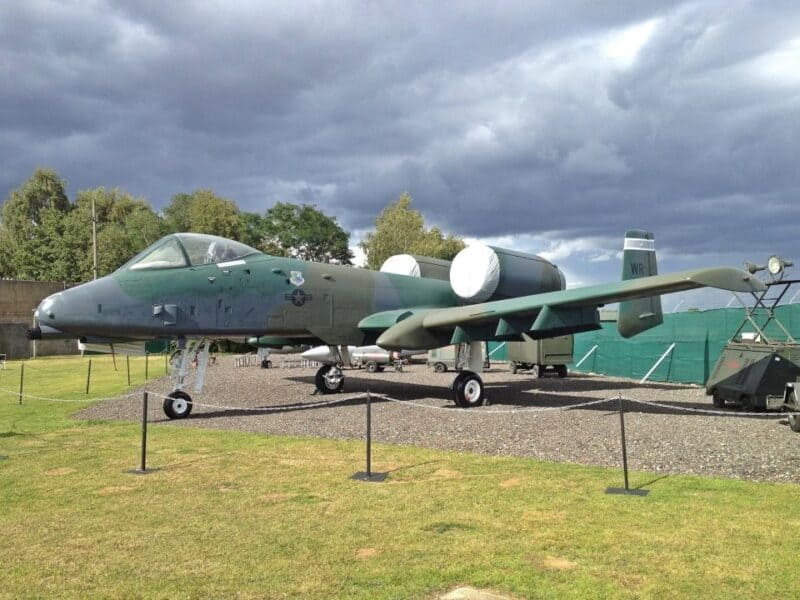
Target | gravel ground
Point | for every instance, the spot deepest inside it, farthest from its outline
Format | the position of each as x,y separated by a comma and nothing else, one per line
659,440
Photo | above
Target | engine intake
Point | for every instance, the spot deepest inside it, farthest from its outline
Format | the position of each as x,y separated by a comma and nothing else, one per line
480,273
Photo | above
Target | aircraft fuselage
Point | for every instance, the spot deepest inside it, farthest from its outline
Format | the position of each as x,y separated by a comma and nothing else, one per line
258,295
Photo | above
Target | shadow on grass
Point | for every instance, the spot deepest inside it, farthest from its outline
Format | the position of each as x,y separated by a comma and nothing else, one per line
8,434
651,482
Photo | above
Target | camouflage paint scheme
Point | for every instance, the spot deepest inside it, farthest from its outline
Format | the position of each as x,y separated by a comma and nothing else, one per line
299,302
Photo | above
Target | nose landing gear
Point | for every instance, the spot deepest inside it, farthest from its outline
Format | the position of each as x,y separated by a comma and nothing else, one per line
178,405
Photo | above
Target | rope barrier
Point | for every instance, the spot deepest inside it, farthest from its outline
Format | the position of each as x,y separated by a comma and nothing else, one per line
485,411
275,408
83,401
708,411
418,405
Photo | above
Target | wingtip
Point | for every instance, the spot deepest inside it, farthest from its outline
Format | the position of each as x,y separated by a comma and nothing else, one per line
729,278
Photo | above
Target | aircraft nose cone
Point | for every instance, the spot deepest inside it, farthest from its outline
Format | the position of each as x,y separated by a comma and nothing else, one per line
78,309
48,308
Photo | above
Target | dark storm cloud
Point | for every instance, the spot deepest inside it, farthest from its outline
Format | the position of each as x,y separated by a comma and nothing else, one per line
562,121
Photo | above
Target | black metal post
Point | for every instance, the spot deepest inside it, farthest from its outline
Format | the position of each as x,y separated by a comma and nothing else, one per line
144,433
146,364
369,435
128,366
626,490
21,380
368,475
143,470
624,446
88,375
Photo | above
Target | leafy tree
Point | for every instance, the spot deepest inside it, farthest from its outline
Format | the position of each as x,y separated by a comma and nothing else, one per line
252,229
399,229
49,239
203,211
125,225
32,219
303,232
177,212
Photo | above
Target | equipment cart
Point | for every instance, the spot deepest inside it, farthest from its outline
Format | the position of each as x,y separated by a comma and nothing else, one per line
759,366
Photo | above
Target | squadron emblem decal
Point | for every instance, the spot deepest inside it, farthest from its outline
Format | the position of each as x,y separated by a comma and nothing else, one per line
296,278
298,297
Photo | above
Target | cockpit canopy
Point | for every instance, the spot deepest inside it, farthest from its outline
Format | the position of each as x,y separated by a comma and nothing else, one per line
188,249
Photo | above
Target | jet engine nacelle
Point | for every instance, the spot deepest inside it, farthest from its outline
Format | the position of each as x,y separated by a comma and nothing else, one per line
482,273
417,266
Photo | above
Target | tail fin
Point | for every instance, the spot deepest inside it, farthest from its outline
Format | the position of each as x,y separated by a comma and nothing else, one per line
639,260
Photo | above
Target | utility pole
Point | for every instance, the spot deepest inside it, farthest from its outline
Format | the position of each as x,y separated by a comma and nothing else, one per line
94,241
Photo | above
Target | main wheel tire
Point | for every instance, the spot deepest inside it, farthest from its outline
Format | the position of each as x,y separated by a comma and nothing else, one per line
537,371
747,404
440,367
329,379
562,371
468,390
717,400
266,364
178,405
513,368
371,367
794,422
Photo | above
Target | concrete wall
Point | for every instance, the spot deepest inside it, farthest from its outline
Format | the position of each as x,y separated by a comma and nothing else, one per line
18,299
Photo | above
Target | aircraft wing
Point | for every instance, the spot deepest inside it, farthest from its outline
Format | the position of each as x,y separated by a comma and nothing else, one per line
541,315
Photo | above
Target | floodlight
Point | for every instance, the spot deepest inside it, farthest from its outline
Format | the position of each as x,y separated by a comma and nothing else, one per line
775,265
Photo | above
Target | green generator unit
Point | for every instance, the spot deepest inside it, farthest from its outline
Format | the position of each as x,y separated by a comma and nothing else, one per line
754,375
541,356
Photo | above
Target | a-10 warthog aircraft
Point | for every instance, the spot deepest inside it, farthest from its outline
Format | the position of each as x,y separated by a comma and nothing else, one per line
188,287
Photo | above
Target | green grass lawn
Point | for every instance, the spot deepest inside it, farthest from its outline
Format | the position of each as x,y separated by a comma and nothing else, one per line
235,514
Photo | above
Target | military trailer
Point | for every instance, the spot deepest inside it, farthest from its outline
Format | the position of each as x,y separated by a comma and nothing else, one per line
757,369
550,355
753,375
453,358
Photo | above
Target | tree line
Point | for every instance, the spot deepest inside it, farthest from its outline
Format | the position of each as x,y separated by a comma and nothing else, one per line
47,237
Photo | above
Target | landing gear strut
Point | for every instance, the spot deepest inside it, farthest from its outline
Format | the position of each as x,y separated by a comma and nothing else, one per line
329,379
468,389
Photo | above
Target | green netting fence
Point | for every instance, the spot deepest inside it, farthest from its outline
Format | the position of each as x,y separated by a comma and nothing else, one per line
699,338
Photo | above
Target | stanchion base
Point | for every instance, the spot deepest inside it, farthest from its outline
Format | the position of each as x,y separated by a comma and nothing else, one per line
364,476
140,472
628,492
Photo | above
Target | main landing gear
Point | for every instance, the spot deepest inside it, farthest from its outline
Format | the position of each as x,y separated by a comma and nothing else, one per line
468,390
329,379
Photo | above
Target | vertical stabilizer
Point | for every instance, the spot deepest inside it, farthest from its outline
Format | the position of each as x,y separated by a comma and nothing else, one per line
639,260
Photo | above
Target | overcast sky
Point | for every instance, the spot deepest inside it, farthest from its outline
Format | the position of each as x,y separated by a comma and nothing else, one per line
543,126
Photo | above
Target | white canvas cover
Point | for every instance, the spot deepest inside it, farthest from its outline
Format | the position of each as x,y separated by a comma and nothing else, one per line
401,264
475,273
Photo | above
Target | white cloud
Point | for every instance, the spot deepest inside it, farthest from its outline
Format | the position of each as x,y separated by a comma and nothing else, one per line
622,46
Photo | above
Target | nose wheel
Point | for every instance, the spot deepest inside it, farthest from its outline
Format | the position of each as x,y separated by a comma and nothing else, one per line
468,390
329,379
178,405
